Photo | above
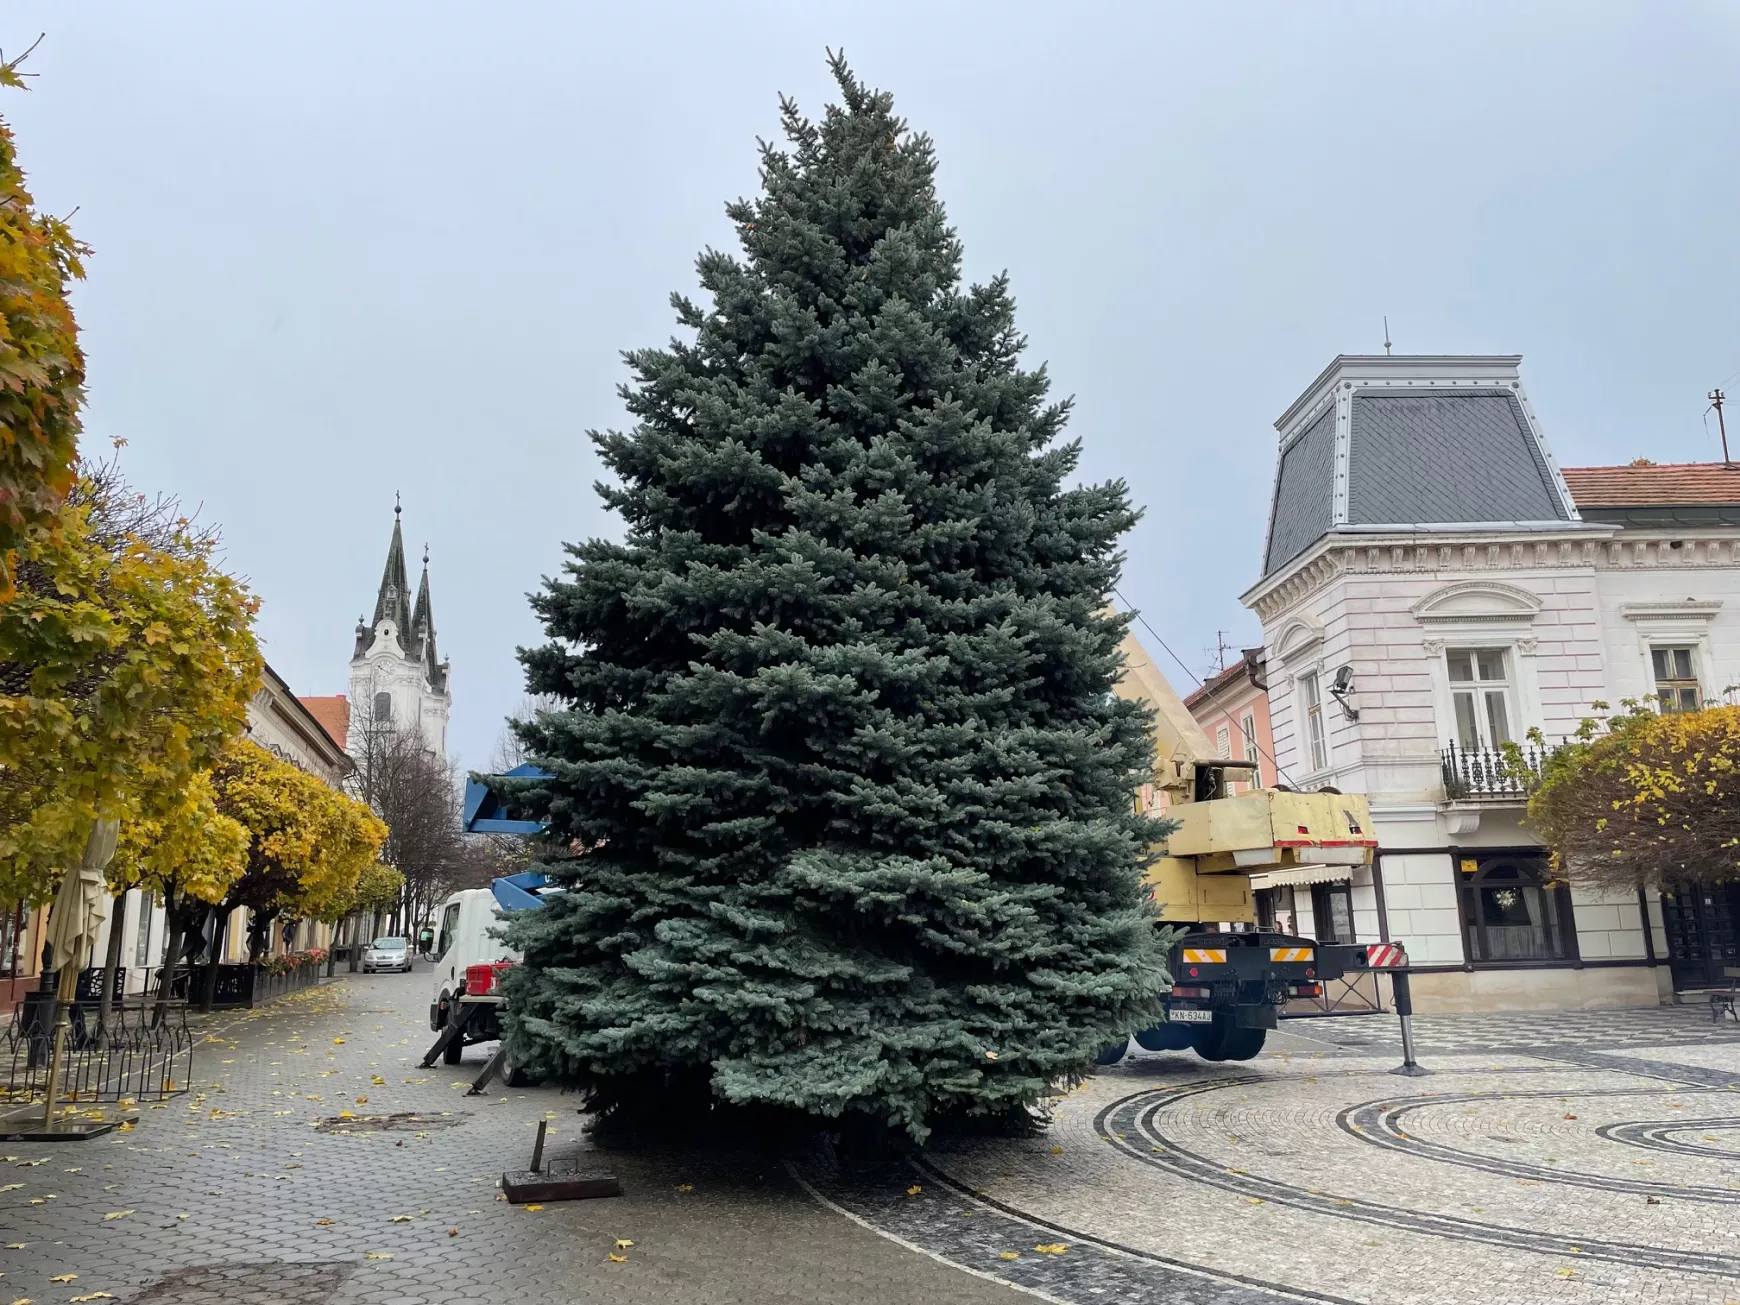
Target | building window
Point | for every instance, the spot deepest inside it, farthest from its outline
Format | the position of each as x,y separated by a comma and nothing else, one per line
1513,910
1275,910
1480,695
1311,702
1249,727
142,944
1332,912
1223,743
12,929
1676,686
383,707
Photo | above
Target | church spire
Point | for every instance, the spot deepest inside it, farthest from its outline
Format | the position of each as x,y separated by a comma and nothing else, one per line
393,601
423,629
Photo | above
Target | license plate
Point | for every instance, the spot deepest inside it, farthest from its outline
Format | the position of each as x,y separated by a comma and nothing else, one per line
1177,1016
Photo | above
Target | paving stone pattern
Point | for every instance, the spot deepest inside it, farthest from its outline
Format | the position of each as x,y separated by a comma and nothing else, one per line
231,1195
1570,1158
1577,1158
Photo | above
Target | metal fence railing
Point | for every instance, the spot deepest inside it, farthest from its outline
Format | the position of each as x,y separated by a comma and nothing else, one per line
138,1054
1486,773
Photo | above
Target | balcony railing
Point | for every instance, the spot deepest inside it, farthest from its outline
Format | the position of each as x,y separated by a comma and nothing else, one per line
1487,775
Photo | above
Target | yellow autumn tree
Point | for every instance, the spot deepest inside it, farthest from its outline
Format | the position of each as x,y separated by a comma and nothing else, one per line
1645,799
308,844
42,370
127,660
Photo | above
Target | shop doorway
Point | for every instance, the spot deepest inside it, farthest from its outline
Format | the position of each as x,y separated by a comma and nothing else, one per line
1703,934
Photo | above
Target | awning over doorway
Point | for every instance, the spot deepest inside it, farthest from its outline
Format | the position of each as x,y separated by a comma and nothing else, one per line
1304,874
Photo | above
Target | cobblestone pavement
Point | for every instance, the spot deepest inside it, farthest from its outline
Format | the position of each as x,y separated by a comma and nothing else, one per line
1578,1157
1573,1158
230,1195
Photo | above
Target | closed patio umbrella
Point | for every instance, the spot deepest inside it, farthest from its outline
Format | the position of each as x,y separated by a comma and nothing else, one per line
78,906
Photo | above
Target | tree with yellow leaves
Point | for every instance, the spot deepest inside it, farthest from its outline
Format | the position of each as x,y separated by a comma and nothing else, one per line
1645,799
42,370
308,844
127,660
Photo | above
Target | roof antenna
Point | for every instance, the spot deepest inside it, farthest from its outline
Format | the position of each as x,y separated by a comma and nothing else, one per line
1716,397
1386,335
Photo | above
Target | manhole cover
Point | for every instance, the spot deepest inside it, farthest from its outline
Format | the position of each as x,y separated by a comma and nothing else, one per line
406,1122
273,1282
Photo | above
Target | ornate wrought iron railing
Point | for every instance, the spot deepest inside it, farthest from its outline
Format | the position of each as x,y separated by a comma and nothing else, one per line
1486,774
139,1053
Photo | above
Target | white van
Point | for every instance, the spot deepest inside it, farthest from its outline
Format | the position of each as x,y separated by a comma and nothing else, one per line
462,939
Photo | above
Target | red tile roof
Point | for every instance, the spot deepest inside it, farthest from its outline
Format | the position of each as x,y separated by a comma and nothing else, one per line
333,714
1668,484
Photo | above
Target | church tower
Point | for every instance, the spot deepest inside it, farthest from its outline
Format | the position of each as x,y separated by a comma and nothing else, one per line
396,676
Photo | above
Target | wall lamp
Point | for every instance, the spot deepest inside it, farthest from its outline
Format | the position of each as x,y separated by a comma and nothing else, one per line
1339,689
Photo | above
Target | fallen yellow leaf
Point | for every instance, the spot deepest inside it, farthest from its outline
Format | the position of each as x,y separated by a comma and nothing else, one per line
400,1218
64,1277
1256,1200
914,1190
339,1041
378,1255
622,1243
1057,1150
95,1295
117,1214
618,1259
685,1187
324,1223
1009,1255
533,1206
1051,1248
11,1187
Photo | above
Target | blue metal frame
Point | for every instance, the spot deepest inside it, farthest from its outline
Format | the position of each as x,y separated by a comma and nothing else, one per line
483,809
519,892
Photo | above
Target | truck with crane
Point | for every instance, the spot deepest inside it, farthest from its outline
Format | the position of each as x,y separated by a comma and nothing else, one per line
1231,979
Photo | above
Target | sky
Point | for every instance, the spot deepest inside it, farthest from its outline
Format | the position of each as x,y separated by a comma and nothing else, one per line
345,249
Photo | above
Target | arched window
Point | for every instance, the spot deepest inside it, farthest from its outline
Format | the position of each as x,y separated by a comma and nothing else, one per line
383,707
1513,910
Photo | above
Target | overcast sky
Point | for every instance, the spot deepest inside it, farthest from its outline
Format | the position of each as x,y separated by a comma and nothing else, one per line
344,249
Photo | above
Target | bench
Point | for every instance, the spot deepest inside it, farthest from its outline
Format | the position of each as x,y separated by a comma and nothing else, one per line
1723,1002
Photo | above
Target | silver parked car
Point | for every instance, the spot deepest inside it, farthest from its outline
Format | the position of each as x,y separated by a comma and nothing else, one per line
387,954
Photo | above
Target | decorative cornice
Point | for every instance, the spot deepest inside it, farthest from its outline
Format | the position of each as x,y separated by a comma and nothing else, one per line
1581,547
1687,609
1504,603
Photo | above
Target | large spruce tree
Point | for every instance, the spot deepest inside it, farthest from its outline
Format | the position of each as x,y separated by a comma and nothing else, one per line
837,730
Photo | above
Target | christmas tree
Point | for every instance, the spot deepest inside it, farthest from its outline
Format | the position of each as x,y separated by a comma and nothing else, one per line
836,729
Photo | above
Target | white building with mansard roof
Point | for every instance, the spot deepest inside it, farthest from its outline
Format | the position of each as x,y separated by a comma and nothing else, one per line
1434,585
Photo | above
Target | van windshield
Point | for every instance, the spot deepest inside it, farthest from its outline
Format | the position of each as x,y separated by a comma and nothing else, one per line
390,944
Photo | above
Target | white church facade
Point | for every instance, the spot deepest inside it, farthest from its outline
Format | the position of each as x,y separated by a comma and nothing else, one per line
396,676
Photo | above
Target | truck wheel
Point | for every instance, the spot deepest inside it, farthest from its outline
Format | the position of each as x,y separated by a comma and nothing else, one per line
1165,1037
1243,1044
1210,1042
514,1074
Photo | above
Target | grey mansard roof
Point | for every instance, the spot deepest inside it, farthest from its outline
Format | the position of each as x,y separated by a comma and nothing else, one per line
1417,455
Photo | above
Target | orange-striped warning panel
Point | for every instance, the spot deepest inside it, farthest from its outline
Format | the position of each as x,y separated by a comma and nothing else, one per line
1205,956
1291,954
